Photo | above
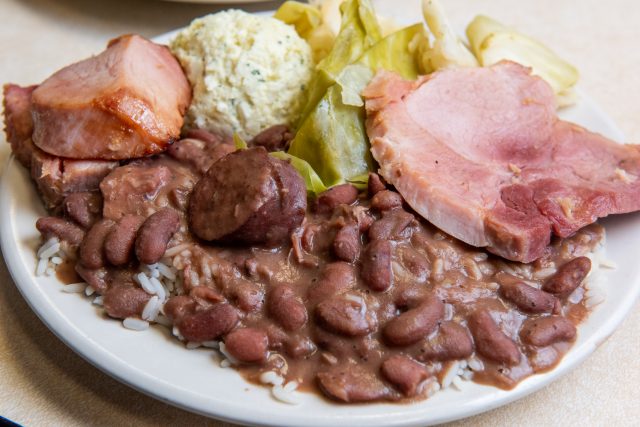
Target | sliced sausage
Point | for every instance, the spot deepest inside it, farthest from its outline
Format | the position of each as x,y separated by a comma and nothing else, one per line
346,316
84,208
121,302
490,341
208,324
352,384
119,243
247,345
452,342
544,331
347,243
154,235
376,265
286,308
231,205
404,373
66,231
92,247
414,324
568,277
344,194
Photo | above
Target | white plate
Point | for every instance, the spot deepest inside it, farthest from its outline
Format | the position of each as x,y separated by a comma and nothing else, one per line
160,366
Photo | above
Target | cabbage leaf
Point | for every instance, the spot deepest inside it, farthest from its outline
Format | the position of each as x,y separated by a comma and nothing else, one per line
332,136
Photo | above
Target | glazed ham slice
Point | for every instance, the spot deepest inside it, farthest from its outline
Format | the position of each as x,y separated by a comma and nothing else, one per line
54,176
127,102
481,154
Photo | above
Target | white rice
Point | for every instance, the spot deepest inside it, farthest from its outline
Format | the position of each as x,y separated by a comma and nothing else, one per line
171,252
41,267
451,373
88,291
74,288
193,345
98,300
223,349
56,260
271,378
211,344
151,309
286,393
135,324
145,283
163,320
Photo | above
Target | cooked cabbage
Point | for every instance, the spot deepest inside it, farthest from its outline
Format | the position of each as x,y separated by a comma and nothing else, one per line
493,42
446,49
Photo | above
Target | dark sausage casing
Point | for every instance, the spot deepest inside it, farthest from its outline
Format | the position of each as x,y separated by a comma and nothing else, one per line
248,197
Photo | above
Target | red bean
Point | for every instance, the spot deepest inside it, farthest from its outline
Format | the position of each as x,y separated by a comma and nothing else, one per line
352,384
375,184
344,194
248,345
404,373
376,265
64,230
209,324
347,243
346,316
392,226
386,200
452,342
119,243
544,331
568,277
97,279
83,208
490,341
178,306
527,298
414,324
154,235
336,278
286,308
92,247
124,301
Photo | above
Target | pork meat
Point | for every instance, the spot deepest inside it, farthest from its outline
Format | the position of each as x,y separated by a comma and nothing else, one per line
482,154
124,103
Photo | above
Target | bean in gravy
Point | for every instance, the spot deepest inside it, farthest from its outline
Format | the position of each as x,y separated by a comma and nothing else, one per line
364,301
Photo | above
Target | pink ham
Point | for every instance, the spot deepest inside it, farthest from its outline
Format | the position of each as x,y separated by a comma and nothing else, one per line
126,102
481,154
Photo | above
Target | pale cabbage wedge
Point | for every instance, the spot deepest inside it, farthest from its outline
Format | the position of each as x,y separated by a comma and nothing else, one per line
446,50
332,137
311,179
303,17
493,42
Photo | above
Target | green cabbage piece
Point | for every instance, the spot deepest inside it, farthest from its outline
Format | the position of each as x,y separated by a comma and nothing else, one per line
311,179
332,136
303,17
493,42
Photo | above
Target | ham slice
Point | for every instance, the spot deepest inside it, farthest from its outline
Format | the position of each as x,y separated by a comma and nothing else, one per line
482,155
127,102
55,177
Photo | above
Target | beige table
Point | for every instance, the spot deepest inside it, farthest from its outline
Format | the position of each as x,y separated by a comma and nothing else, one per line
42,382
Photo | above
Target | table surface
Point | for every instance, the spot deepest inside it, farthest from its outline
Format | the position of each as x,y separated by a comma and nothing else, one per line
42,382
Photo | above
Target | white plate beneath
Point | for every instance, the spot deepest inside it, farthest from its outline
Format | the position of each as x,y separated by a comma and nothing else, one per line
160,366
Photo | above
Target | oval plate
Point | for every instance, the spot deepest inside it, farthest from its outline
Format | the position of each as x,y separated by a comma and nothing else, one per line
158,365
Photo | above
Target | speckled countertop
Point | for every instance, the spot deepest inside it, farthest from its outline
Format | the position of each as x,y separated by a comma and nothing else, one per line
42,382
